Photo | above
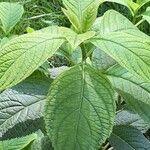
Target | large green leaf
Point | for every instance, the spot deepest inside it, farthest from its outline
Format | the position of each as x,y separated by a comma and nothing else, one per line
121,40
135,91
81,13
80,109
24,54
10,14
128,138
23,102
17,143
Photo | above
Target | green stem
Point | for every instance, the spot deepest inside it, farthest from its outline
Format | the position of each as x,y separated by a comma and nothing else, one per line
140,22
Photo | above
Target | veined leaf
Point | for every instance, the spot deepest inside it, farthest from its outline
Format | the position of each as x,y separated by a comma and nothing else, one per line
80,109
128,117
10,14
125,44
17,143
24,101
128,138
20,57
81,13
135,91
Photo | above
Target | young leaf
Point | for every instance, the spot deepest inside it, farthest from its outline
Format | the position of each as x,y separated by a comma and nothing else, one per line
26,99
134,91
80,109
10,14
125,44
81,13
76,39
20,57
17,143
128,138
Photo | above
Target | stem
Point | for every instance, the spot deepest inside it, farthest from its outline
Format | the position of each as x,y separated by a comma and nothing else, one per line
140,22
83,48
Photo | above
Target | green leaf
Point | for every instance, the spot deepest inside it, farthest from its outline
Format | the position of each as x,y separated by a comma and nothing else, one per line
24,101
101,60
135,91
128,138
122,41
80,109
81,13
10,14
146,15
142,2
76,39
17,143
23,55
128,117
41,143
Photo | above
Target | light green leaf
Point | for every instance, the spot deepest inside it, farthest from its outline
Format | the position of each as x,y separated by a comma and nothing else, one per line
125,44
10,14
76,39
146,15
41,143
128,138
135,91
17,143
24,101
81,13
126,117
80,109
23,55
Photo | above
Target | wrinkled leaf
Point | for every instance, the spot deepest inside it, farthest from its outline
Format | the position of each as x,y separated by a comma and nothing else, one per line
23,102
122,41
135,91
80,109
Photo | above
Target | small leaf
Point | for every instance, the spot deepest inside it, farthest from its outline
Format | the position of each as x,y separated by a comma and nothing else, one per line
128,138
10,14
81,13
76,39
80,109
23,102
17,143
125,44
23,55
